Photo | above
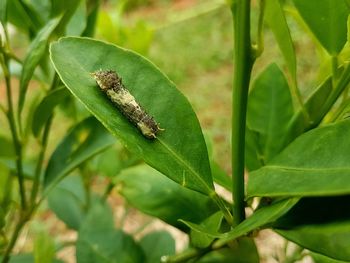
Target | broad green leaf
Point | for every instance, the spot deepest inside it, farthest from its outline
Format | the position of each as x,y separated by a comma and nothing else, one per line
44,110
179,152
276,20
330,239
261,217
212,223
316,163
311,211
150,192
242,251
327,19
269,111
68,201
35,53
44,248
3,12
155,245
85,140
99,242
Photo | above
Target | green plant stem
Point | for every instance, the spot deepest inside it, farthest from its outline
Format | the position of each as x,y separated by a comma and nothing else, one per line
43,146
12,123
243,61
6,256
39,165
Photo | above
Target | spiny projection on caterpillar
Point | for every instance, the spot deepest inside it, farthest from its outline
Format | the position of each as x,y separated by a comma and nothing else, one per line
111,84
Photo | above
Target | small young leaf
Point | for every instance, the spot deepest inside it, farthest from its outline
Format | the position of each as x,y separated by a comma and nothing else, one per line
35,54
150,192
85,140
45,108
327,19
99,242
261,217
212,223
269,111
180,151
323,259
155,245
316,163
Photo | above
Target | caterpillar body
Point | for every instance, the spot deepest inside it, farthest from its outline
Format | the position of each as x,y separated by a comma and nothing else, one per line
111,84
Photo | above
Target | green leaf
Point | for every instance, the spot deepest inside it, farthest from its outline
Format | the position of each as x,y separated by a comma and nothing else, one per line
276,20
98,240
179,152
220,176
67,8
44,248
3,12
316,163
155,245
150,192
242,251
330,239
212,223
313,105
85,140
77,22
36,52
327,19
261,217
44,110
68,201
318,258
269,111
23,16
315,214
252,153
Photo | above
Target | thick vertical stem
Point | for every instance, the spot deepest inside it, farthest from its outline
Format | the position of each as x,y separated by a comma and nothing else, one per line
243,61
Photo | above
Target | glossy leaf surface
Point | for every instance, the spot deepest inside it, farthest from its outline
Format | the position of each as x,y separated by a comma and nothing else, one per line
36,52
269,112
180,151
44,110
85,140
316,163
327,19
150,192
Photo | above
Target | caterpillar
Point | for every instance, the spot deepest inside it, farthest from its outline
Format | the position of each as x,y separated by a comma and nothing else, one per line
111,84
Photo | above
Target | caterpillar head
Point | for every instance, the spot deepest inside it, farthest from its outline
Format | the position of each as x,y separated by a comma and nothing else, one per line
107,79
